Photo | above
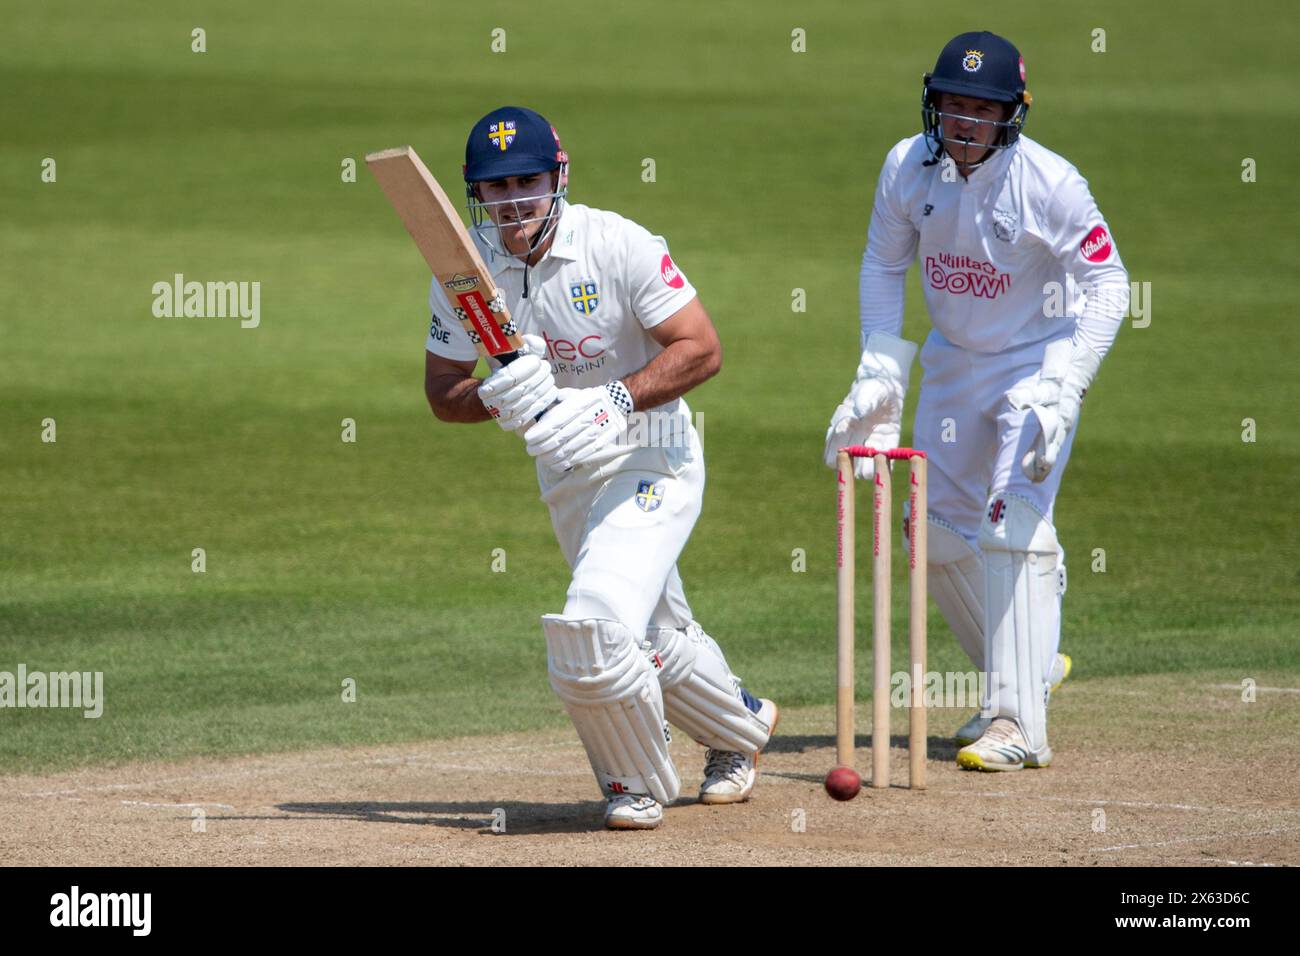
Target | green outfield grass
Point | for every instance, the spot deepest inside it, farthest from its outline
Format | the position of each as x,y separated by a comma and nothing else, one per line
371,561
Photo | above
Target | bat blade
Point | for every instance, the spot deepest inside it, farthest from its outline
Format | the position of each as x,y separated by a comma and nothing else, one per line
442,239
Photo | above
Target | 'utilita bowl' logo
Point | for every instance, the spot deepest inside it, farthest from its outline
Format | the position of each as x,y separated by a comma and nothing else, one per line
1096,245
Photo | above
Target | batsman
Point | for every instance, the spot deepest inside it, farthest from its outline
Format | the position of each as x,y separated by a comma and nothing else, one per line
1026,293
616,337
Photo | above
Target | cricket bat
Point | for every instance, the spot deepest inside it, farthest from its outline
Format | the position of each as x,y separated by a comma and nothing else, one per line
442,239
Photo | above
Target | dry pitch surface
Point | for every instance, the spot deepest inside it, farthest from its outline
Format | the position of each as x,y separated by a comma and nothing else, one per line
1191,775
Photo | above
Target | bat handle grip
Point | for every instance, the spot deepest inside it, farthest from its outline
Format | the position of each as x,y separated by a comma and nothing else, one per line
545,410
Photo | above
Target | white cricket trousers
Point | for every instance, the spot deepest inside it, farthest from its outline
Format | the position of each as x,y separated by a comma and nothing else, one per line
623,525
973,438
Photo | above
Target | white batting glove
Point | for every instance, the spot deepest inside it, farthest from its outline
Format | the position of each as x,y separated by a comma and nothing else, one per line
872,413
1054,398
517,393
585,423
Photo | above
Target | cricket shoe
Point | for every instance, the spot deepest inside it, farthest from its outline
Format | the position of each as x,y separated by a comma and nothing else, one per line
729,777
1002,747
632,811
1059,671
974,728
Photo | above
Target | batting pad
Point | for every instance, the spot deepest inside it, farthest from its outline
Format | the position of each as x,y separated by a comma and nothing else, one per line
1023,585
701,696
956,576
613,697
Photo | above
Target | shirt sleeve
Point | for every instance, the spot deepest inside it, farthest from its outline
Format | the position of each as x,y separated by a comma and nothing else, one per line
447,337
657,287
1082,242
891,247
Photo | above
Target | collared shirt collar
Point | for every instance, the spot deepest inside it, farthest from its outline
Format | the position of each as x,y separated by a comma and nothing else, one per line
563,246
993,167
567,235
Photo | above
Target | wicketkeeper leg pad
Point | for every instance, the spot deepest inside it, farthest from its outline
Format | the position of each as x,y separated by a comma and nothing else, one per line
612,695
701,695
956,576
1024,580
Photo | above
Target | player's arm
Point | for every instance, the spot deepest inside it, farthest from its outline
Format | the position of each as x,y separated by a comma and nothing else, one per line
891,246
449,362
514,395
587,422
872,412
1081,241
452,389
692,354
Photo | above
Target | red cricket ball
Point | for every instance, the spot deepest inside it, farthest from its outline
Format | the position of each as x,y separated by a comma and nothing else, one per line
843,783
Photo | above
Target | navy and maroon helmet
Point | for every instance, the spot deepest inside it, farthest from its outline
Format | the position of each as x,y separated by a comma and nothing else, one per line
983,65
512,141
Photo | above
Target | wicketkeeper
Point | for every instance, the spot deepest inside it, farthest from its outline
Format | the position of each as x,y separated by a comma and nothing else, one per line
1026,293
615,331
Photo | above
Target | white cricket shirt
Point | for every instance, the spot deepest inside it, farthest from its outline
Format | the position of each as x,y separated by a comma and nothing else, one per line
992,248
601,286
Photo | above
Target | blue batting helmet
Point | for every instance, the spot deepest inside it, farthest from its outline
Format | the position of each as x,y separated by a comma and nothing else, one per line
511,141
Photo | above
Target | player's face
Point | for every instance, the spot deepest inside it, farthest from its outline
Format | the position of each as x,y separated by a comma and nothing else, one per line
516,199
965,140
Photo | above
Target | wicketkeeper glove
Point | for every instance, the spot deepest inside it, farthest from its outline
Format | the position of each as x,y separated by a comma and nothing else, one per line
872,413
1054,398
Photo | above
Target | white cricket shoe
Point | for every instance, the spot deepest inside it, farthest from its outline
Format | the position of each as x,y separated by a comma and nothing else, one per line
1002,747
974,728
729,777
631,811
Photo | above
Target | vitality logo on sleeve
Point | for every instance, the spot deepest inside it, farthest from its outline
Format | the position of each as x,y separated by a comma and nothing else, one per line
669,273
1096,245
